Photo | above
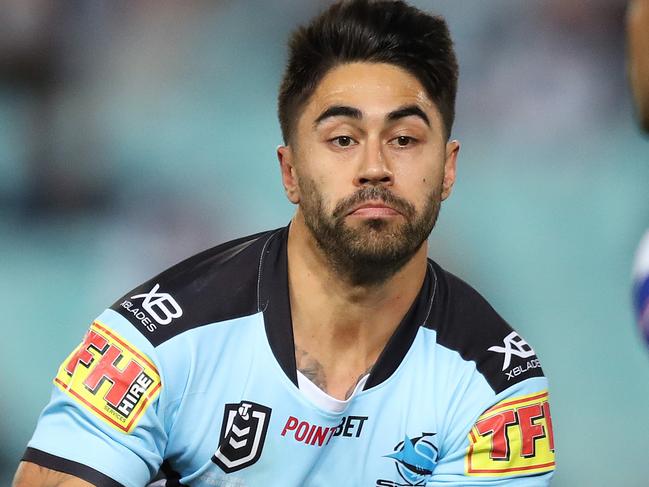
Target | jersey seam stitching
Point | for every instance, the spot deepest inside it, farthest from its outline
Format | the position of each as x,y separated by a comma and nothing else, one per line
259,273
432,298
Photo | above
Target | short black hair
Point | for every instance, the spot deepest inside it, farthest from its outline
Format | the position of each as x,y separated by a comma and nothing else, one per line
391,32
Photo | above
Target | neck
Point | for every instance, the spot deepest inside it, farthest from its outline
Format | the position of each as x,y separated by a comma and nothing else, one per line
341,327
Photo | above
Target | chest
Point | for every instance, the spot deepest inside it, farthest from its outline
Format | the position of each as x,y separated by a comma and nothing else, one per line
246,423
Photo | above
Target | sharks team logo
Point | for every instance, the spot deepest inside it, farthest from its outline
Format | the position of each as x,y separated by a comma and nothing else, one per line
242,435
414,459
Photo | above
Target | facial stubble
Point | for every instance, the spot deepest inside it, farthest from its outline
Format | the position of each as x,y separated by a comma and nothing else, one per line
374,250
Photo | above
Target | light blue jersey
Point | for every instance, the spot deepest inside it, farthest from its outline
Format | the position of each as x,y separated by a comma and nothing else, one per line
194,373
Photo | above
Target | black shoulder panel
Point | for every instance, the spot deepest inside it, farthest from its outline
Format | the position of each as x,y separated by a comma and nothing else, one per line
215,285
466,323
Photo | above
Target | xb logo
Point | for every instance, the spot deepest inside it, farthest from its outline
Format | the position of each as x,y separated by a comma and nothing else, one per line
161,306
514,345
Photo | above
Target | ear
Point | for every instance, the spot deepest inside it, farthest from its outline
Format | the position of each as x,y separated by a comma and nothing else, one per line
450,164
286,158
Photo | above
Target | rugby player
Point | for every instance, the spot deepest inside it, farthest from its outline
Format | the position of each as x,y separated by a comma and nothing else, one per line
329,352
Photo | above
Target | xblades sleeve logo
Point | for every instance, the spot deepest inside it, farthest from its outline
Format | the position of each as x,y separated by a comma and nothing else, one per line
162,307
514,345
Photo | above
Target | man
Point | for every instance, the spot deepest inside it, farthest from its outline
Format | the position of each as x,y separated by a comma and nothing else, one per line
638,53
330,352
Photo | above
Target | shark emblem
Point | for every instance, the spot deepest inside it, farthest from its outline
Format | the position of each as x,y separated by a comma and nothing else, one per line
415,458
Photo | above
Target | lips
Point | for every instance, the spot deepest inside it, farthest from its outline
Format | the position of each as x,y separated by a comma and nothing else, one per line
376,201
373,209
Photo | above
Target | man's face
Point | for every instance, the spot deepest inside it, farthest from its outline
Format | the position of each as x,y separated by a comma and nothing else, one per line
369,166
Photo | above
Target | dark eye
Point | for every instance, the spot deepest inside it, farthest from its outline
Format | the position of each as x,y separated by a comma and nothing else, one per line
403,140
343,141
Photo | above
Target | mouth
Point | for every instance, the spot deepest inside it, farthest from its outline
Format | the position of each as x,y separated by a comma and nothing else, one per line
373,209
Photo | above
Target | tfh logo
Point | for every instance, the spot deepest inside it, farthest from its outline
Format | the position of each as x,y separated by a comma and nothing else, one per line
110,377
514,345
242,435
161,306
514,437
127,384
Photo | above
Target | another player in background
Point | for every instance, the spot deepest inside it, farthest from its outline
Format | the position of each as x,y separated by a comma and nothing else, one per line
331,351
638,57
638,48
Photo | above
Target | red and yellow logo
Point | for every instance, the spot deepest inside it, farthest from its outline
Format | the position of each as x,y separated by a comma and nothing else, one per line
512,438
110,377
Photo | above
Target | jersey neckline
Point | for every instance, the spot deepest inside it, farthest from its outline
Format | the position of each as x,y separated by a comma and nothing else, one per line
274,302
323,400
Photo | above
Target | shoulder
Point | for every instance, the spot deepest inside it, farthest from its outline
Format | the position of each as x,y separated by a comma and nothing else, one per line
467,324
218,284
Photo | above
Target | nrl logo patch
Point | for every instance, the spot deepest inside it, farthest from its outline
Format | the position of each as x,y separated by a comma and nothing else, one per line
242,435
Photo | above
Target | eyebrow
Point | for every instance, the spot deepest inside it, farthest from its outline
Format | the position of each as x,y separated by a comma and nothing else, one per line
339,111
408,111
355,113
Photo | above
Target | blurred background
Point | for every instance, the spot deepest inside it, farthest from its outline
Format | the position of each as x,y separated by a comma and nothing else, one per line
136,133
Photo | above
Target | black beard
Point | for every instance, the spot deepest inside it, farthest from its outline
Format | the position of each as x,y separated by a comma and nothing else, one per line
375,251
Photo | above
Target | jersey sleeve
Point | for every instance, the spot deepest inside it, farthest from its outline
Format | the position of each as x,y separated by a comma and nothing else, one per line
102,423
496,415
509,442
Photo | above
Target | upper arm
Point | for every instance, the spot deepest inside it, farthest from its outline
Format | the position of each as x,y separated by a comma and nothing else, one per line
103,423
32,475
494,417
507,440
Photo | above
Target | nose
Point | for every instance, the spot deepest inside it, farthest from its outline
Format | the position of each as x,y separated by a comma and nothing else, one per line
373,169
